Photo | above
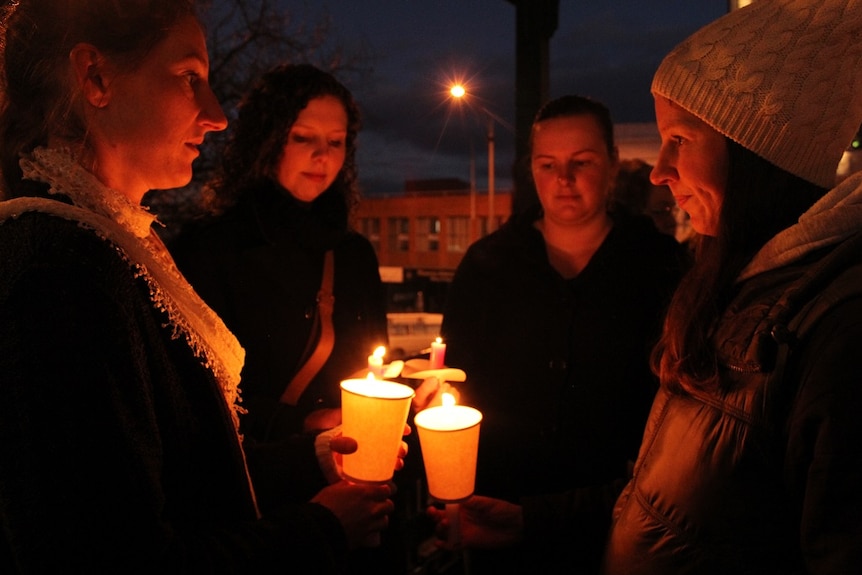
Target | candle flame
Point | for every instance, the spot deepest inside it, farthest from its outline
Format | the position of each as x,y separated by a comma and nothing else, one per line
448,399
371,376
380,351
439,340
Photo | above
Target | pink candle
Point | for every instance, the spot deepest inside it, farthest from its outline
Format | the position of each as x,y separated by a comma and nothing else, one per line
438,354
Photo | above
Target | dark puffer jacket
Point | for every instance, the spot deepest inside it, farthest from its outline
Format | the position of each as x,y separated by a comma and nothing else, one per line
763,478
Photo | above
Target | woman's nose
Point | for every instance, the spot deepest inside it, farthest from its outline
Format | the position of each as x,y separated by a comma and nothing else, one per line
212,115
565,176
321,150
662,173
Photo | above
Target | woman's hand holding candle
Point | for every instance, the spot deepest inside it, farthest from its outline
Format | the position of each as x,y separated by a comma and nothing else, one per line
321,420
361,528
341,445
374,412
430,393
485,523
402,450
449,436
362,509
331,445
425,393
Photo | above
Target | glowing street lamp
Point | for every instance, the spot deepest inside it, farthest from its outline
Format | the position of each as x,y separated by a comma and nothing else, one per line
458,91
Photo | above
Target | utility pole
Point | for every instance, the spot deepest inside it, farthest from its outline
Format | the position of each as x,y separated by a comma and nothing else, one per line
535,23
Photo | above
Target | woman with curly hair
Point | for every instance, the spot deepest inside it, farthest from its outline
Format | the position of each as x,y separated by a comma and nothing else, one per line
281,203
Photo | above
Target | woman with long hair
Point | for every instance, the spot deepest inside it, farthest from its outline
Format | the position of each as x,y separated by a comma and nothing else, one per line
120,446
752,455
280,204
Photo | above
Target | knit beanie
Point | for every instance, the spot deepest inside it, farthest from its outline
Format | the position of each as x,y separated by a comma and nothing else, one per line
783,78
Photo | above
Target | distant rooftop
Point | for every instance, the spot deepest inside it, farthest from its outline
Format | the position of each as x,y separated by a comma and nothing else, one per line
436,185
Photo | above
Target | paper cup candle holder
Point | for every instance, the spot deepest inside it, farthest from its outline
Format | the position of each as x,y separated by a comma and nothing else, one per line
449,437
373,412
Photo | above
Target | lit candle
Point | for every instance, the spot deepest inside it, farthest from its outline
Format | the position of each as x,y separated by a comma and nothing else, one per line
375,361
449,437
373,412
438,354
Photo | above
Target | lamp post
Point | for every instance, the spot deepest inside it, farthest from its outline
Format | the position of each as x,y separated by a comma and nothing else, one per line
458,91
492,223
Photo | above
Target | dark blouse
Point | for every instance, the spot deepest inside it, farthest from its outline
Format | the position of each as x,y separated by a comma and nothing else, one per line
259,266
559,367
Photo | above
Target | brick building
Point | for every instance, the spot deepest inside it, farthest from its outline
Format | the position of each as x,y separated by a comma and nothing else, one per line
421,234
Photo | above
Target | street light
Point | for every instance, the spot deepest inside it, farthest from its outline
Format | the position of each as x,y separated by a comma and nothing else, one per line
459,92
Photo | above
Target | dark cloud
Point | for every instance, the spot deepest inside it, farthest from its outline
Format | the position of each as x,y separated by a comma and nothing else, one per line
611,53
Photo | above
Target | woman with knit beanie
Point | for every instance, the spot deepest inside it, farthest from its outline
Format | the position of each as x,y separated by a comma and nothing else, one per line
751,461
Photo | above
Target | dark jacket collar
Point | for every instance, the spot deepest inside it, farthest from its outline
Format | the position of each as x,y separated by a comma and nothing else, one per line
319,225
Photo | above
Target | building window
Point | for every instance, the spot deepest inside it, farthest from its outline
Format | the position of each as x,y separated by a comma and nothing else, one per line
399,235
370,228
457,233
428,234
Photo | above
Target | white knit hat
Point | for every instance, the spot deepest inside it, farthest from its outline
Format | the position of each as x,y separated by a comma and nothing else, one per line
782,78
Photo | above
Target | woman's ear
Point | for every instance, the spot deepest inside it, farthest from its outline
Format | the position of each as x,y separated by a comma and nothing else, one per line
89,70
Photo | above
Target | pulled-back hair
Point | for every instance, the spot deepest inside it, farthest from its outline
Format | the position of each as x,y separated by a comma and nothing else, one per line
37,36
259,134
574,105
760,200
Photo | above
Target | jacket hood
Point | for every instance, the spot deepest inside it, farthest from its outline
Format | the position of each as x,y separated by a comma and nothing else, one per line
834,218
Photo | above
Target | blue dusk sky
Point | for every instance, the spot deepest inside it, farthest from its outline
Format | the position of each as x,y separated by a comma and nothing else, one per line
413,49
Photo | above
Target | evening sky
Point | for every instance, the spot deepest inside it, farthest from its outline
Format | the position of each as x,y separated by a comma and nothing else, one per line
605,49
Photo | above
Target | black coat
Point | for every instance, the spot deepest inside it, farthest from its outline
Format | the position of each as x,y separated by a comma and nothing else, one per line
117,448
259,267
559,367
